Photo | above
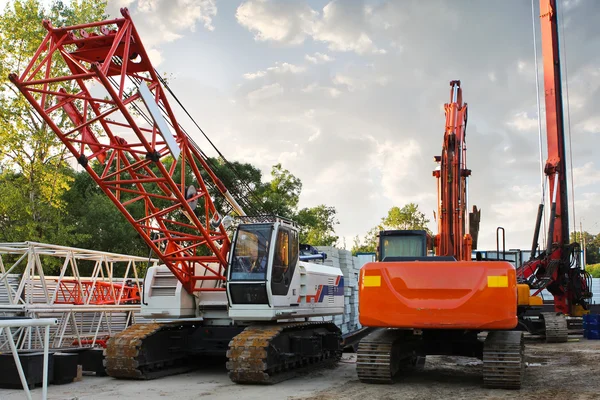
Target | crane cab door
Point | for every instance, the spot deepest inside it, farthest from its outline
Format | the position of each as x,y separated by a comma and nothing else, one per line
285,259
262,263
249,264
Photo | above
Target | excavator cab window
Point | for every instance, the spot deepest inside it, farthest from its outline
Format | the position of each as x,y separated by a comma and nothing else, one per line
284,261
402,243
251,253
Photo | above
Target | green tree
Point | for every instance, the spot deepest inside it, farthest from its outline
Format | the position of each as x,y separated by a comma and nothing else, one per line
31,156
317,225
594,270
282,194
405,218
592,246
99,224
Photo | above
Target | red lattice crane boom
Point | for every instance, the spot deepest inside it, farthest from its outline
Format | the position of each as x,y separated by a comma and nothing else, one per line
100,76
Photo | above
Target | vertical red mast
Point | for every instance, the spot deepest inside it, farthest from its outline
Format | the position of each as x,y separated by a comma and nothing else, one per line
556,268
555,168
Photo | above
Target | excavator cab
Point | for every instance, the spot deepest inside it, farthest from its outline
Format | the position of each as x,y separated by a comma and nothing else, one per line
402,245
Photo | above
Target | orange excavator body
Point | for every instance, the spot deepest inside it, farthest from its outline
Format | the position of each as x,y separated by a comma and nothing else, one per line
410,289
478,295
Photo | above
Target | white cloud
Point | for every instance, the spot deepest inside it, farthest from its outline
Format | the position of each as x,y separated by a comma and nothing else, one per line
360,131
315,88
287,22
319,58
341,25
395,162
591,125
349,82
586,175
164,21
278,68
264,93
522,122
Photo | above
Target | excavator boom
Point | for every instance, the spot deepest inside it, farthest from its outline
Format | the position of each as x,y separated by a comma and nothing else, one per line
452,177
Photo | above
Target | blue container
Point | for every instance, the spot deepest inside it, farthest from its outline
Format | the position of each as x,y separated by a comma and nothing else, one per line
592,319
591,326
593,335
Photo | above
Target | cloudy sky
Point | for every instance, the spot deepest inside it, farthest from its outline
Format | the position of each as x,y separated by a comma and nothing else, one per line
348,95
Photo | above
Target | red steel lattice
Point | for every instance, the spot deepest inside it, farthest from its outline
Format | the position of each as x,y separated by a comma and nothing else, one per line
83,81
96,293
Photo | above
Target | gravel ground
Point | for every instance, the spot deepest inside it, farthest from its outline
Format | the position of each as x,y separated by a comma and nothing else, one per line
555,371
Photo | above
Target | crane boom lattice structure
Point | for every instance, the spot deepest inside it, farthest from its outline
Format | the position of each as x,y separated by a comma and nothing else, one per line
91,83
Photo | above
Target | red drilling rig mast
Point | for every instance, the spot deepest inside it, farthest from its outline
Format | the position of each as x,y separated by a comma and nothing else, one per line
556,268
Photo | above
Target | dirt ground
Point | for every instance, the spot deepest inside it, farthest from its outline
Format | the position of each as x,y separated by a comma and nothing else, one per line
555,371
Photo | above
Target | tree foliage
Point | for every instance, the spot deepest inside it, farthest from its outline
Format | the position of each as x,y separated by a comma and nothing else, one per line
33,163
282,194
592,246
317,225
405,218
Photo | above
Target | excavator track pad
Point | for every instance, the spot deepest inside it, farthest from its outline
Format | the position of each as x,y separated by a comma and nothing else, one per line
503,360
555,327
383,353
270,353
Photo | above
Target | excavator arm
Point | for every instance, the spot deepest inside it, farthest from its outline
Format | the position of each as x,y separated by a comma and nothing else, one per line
452,176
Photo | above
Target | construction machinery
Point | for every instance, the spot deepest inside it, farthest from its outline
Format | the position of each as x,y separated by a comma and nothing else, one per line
249,298
556,268
427,305
439,304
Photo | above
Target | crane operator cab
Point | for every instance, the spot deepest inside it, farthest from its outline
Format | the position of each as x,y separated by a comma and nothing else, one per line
264,275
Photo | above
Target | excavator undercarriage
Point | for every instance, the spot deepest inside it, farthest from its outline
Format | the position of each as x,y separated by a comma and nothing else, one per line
387,353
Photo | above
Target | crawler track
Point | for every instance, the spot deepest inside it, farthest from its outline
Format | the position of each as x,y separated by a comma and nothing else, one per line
270,353
556,327
385,352
503,360
147,351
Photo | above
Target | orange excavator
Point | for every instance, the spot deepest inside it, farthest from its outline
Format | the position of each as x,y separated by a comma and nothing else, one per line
440,304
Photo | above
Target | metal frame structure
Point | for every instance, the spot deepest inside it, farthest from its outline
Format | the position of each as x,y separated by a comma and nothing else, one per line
69,297
91,84
6,326
557,268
